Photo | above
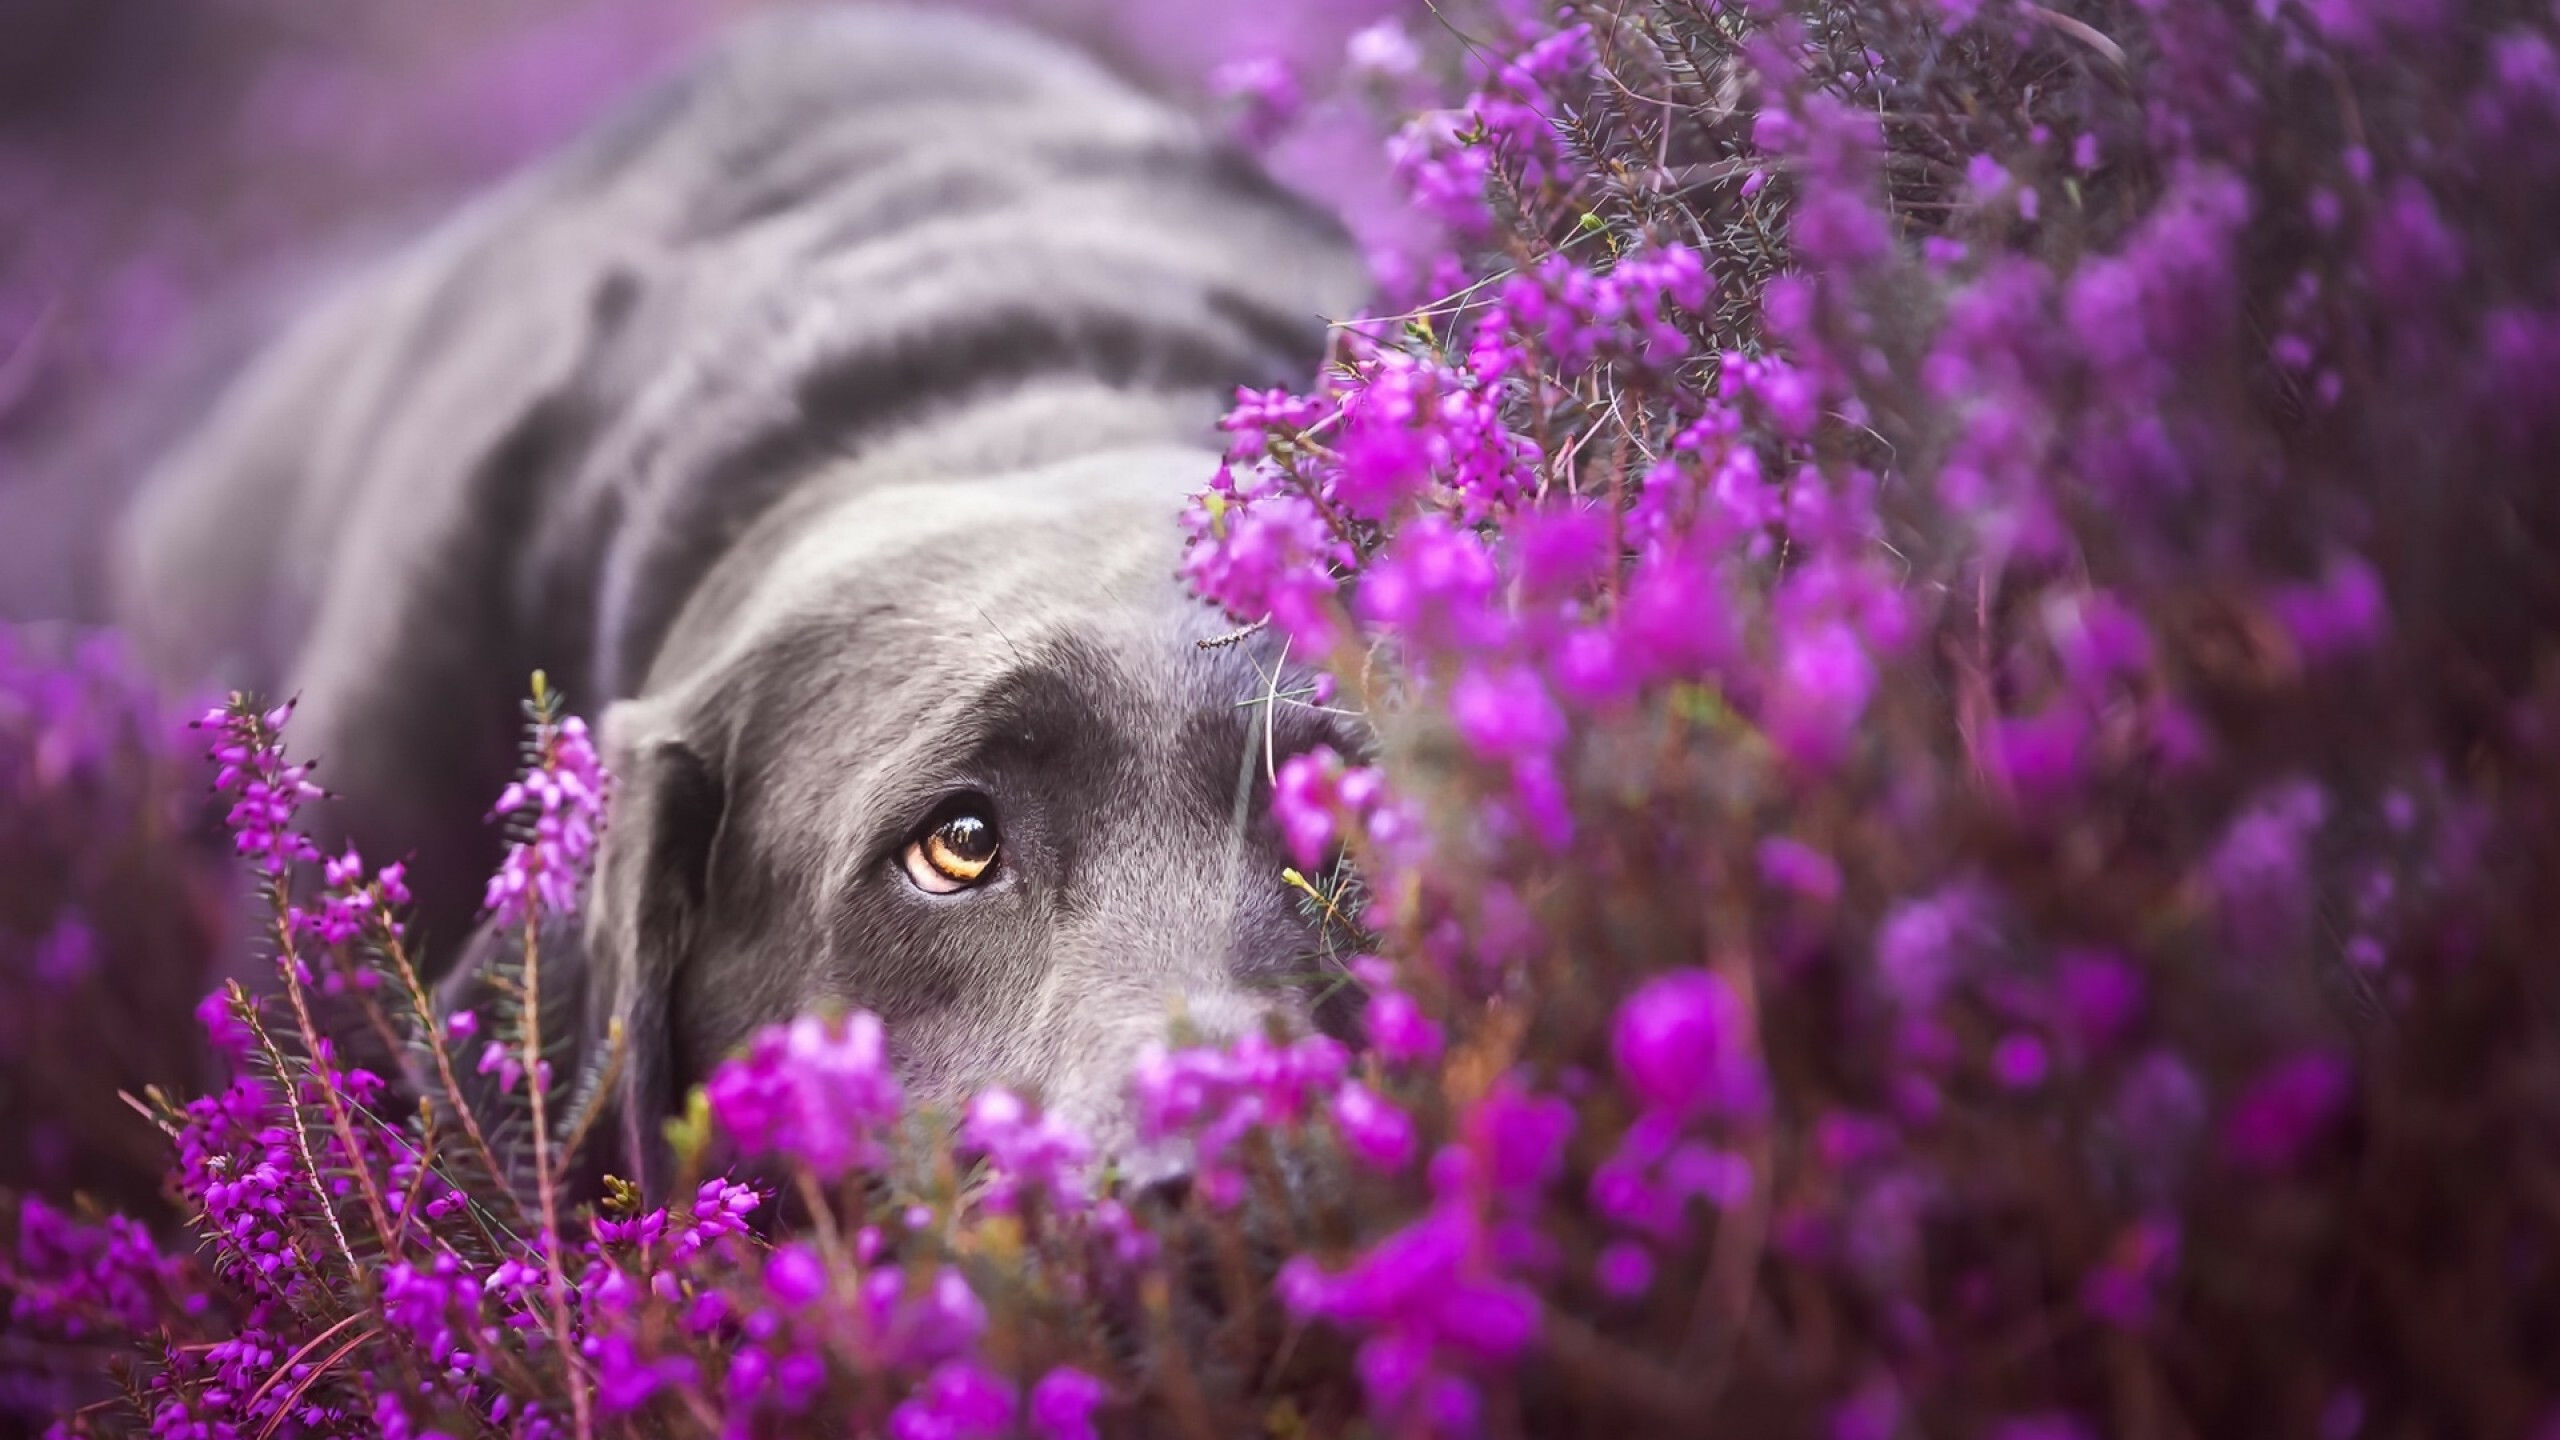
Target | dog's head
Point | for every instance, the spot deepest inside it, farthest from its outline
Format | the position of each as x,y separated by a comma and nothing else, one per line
954,753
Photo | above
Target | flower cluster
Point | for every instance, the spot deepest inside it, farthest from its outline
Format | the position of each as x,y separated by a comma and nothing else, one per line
1955,603
820,1091
110,901
559,805
1215,1096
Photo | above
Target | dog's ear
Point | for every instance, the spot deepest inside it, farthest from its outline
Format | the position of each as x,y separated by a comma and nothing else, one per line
645,918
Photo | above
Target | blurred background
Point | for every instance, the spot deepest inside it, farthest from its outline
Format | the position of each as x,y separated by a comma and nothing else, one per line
169,173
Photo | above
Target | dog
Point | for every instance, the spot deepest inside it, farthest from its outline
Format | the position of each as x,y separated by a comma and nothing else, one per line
820,421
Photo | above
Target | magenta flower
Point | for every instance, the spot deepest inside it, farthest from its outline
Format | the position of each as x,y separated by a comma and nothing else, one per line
795,1276
2343,614
1684,1045
1624,1270
2098,997
1063,1402
720,1210
2020,1061
2125,1289
920,1324
2261,870
626,1378
1373,1129
1794,866
1025,1154
1267,93
560,802
267,793
958,1401
1213,1097
1825,679
1382,50
1309,803
1429,1307
1925,945
1511,1144
1397,1029
1506,714
2287,1110
817,1091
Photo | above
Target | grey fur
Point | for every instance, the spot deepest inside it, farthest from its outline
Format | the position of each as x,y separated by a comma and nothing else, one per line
827,414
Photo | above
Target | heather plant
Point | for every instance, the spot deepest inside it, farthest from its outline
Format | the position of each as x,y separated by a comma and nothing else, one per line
110,900
1956,605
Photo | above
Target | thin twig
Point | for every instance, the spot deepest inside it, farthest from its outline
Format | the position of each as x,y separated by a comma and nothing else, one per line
303,1386
301,1135
289,961
542,1178
433,1024
314,1343
1235,637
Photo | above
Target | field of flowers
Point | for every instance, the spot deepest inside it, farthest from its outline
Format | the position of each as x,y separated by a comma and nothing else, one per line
1961,601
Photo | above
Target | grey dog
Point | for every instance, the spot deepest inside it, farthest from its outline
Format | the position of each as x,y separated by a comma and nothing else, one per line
820,422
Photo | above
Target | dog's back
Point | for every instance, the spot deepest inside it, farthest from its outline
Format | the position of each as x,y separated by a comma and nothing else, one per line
873,241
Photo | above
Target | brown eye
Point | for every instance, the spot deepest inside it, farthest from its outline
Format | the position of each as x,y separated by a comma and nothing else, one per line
956,853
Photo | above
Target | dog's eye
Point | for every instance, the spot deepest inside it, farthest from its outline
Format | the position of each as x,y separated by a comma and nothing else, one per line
956,850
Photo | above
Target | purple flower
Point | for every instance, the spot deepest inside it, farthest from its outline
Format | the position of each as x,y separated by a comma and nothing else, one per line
2344,614
1511,1145
65,956
559,804
438,1307
1875,1411
2261,871
1262,419
818,1091
1268,94
1649,1181
626,1379
2287,1110
2123,1291
1673,623
2097,997
1374,1130
1043,1155
71,1279
2019,1061
794,1274
2041,756
2158,1114
1399,1031
924,1324
959,1400
1382,49
1925,944
2099,641
1428,1306
1063,1402
1794,866
1314,796
1265,554
1215,1096
267,793
1625,1270
1435,583
1684,1045
1824,682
